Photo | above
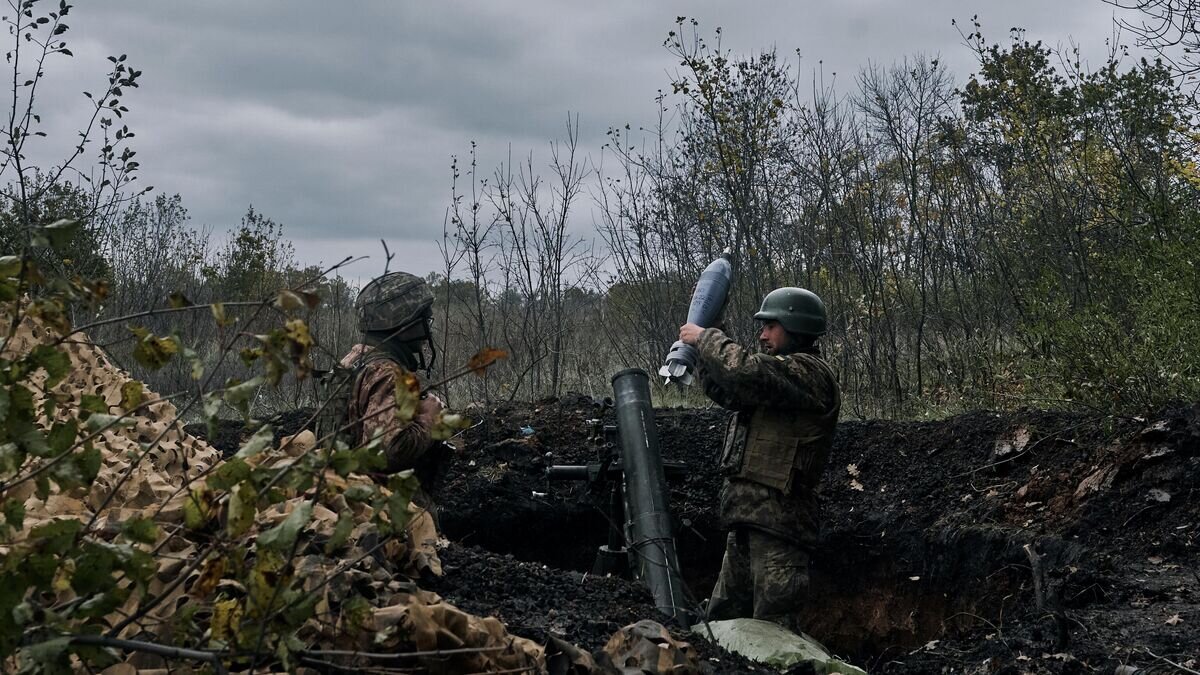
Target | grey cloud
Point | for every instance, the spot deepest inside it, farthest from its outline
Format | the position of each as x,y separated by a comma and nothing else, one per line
339,119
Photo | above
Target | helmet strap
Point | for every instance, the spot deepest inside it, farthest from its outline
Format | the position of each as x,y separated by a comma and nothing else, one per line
799,343
410,353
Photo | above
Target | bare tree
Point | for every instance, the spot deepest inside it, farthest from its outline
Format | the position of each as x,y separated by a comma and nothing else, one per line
1168,28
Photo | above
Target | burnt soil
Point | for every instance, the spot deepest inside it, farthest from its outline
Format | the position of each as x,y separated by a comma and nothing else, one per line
1029,541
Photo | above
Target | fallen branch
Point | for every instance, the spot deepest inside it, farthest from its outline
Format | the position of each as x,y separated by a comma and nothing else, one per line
151,648
433,653
1164,659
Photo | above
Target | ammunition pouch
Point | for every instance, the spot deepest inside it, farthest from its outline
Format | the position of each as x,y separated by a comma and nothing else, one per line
773,448
734,447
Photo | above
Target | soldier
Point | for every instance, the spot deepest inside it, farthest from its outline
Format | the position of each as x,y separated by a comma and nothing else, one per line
395,313
786,401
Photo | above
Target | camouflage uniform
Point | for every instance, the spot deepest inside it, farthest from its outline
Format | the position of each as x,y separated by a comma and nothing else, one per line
372,408
775,451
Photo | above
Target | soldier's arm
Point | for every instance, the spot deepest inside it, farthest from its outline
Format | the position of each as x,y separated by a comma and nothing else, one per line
749,379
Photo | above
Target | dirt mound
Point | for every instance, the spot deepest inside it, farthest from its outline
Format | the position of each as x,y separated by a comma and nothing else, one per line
923,562
1029,541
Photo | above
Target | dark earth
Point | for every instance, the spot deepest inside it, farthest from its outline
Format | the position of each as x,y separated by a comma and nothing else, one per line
1026,541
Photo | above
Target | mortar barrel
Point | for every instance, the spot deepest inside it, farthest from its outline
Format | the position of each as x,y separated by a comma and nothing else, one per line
648,531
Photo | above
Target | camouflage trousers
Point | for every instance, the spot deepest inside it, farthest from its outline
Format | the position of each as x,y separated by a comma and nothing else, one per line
762,576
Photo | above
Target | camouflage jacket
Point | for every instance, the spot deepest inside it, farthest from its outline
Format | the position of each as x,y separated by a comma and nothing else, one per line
372,406
776,446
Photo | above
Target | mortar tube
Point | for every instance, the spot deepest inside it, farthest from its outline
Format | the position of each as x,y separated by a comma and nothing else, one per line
648,531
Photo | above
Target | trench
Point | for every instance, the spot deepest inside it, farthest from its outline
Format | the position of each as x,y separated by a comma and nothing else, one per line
874,595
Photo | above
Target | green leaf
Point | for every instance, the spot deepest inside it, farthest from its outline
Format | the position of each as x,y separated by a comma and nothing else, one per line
196,362
243,503
11,457
88,462
228,474
40,568
341,532
55,361
403,486
212,406
283,536
98,421
300,612
67,475
343,462
97,657
238,396
360,493
42,487
93,403
141,530
197,509
62,436
51,656
10,266
94,571
57,536
14,514
34,442
262,439
61,232
3,404
357,612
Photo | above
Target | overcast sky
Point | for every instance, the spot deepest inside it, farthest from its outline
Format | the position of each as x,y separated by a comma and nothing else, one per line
338,119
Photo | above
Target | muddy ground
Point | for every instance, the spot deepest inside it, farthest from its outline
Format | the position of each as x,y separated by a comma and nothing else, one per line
993,543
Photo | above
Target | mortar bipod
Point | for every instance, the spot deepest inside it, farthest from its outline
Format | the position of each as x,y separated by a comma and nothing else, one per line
605,477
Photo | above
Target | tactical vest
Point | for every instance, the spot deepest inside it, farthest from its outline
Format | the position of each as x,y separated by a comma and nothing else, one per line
780,448
336,387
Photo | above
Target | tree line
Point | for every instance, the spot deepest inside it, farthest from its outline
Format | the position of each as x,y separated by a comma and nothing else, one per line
1026,237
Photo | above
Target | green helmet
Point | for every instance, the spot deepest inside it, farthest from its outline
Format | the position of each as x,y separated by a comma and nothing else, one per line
798,310
393,302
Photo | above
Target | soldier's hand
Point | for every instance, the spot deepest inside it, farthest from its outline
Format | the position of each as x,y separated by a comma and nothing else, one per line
429,408
689,333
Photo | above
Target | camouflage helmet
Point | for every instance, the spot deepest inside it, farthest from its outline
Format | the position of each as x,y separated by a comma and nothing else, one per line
798,310
392,302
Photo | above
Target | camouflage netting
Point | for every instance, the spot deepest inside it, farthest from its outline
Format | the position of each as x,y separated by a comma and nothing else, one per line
173,458
149,467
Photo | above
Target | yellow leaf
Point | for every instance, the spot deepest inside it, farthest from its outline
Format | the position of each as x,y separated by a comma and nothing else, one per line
288,301
226,619
131,395
206,583
62,578
484,358
218,312
408,394
243,502
311,300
